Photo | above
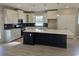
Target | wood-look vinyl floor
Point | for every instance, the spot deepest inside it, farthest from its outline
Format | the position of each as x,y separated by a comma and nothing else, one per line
16,48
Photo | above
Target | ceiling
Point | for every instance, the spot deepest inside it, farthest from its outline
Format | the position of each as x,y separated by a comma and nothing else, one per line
40,6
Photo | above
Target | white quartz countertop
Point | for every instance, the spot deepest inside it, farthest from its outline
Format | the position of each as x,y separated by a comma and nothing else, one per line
46,30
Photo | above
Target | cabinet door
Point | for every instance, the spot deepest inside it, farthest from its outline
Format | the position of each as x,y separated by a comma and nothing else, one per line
56,40
21,15
10,16
31,18
28,38
24,18
66,22
40,38
61,41
8,35
17,33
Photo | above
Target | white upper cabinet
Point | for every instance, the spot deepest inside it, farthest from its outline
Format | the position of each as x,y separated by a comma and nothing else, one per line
10,16
24,18
51,14
22,15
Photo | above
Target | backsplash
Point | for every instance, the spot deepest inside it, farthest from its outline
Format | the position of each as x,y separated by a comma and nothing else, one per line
11,26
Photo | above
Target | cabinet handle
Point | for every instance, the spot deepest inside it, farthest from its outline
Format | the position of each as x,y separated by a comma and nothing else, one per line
30,34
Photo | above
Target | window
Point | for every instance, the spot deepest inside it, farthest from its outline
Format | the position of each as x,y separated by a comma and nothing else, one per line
39,21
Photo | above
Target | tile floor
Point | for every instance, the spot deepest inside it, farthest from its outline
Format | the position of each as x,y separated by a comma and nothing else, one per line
18,49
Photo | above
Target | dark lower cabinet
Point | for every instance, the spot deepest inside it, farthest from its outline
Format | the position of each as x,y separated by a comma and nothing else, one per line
57,40
28,38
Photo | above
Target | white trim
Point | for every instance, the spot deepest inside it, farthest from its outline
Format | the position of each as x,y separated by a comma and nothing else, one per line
71,37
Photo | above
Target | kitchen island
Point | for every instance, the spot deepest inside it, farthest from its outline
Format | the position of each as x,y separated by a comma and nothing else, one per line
44,36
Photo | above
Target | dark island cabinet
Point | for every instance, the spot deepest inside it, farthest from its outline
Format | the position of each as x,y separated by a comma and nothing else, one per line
28,38
57,40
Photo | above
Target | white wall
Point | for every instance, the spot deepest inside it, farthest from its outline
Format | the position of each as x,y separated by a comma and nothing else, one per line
32,17
41,14
45,17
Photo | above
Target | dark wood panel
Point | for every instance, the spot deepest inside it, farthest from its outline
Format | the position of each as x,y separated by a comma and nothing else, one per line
51,39
57,40
28,38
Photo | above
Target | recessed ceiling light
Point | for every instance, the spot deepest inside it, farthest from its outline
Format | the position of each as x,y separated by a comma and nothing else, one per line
58,15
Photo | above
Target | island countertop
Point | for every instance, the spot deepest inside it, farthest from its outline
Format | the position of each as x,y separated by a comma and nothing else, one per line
46,30
46,36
